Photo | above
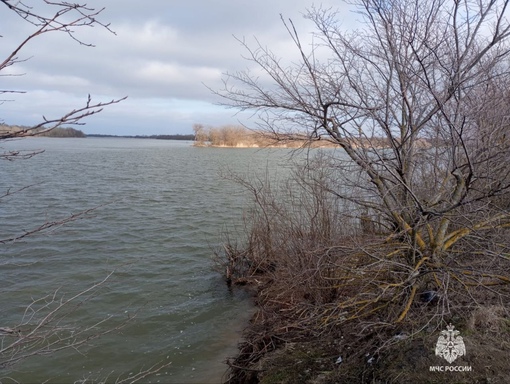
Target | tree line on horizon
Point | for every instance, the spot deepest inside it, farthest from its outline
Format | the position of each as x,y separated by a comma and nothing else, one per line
73,132
157,137
41,132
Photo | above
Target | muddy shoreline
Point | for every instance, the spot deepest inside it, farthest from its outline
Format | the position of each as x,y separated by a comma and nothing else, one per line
272,351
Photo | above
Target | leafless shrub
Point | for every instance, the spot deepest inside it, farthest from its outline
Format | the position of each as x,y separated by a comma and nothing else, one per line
416,99
54,16
44,330
45,327
318,271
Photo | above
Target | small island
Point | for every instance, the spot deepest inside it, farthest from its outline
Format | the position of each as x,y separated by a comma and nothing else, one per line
232,136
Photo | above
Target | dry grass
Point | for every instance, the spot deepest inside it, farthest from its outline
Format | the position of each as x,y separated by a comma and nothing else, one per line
320,273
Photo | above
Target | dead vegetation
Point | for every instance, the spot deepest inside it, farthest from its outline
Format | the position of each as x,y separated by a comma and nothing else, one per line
241,137
325,277
377,241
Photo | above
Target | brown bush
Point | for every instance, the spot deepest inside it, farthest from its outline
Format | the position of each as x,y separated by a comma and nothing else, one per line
318,270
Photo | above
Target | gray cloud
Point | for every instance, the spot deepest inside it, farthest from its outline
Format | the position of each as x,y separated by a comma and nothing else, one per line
161,56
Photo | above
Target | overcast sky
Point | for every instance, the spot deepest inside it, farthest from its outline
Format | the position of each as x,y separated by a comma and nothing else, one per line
163,53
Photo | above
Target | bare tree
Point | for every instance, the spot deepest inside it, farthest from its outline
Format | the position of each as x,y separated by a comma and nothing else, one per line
45,327
418,100
200,134
49,16
55,16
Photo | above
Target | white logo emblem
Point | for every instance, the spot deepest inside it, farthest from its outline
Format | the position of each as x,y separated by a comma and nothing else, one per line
450,345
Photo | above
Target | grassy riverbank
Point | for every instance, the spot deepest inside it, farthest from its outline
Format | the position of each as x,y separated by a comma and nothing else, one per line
334,299
399,240
399,355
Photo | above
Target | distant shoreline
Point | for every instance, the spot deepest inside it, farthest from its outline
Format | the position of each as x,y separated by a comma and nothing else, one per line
157,137
10,131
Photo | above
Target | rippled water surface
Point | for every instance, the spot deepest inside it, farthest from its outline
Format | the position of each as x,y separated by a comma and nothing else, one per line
161,207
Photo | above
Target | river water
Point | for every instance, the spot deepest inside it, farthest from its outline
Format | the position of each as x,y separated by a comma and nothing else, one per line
159,210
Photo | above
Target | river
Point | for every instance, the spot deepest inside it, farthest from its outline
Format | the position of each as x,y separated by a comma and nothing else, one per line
159,209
